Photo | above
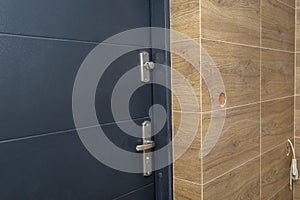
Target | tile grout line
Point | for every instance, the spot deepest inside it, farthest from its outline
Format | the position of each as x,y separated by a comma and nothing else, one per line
273,148
232,43
200,88
233,107
295,77
244,163
287,4
191,182
279,190
249,104
172,108
185,40
246,45
260,129
279,98
232,169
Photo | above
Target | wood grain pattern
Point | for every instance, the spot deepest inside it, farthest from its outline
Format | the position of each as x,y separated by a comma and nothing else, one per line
291,3
277,74
190,73
185,17
239,67
298,30
275,168
188,166
297,184
238,143
186,190
297,191
278,30
277,122
232,21
241,183
297,116
284,193
239,22
298,72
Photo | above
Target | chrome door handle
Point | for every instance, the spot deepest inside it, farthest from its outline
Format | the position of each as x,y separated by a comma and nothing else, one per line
147,146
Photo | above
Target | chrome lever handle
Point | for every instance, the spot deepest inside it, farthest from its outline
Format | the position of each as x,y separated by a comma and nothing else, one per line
147,146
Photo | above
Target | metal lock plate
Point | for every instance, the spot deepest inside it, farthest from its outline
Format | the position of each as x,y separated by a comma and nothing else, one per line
146,148
146,67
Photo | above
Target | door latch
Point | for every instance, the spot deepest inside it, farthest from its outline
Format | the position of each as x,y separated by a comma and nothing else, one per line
146,148
146,66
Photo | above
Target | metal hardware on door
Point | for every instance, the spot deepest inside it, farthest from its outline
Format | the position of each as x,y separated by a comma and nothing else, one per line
146,66
146,148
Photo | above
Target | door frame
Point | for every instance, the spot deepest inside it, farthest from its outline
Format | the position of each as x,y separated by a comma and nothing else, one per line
160,17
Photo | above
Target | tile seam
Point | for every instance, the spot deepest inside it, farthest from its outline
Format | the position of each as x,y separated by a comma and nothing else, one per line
244,163
187,181
287,5
245,45
260,103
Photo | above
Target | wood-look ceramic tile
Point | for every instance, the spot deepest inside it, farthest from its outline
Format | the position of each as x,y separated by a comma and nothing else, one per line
297,183
278,25
239,67
298,73
277,74
238,142
289,2
277,122
241,183
275,167
284,193
184,190
185,17
297,116
297,30
187,137
185,77
231,21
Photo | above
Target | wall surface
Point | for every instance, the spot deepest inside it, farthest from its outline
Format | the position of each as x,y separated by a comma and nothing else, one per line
252,43
297,94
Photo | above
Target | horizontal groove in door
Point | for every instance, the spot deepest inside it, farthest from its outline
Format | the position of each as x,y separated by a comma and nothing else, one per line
84,20
139,193
37,79
33,166
139,42
31,136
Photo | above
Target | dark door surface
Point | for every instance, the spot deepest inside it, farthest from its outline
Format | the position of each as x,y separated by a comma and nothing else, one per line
42,45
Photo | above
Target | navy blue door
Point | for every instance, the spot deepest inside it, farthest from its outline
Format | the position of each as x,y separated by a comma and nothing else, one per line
42,45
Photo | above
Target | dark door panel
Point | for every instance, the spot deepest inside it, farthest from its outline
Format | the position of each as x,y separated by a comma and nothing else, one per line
42,46
92,20
58,167
36,83
144,193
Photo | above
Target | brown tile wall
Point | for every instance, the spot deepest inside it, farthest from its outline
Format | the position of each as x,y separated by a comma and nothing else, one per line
297,94
252,43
